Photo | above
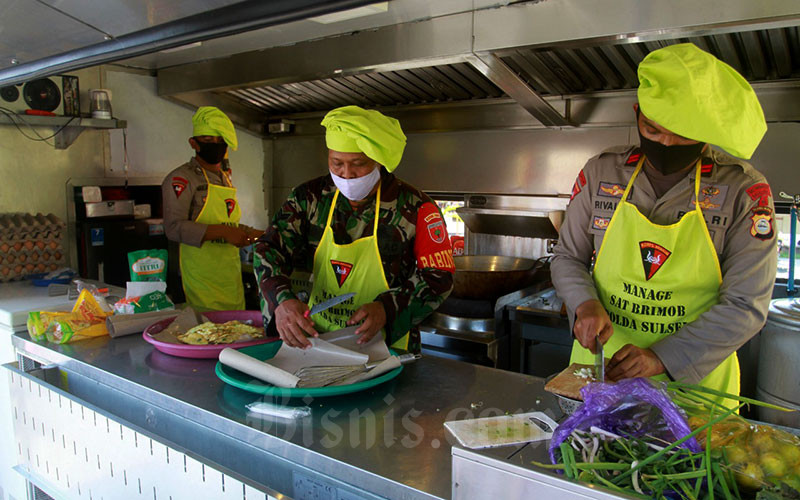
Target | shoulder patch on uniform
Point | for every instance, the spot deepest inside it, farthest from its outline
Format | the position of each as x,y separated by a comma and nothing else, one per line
610,189
435,225
762,223
432,245
760,192
580,181
179,185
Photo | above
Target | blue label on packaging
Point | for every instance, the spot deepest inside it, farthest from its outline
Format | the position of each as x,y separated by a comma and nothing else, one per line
98,236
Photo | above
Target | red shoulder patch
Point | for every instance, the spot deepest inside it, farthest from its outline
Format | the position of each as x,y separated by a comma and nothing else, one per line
580,181
634,158
432,245
179,185
760,192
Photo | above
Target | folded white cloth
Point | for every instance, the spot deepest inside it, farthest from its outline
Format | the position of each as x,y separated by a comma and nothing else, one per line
258,369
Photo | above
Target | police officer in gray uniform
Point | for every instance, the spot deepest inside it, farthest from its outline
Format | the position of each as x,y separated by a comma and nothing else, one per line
734,201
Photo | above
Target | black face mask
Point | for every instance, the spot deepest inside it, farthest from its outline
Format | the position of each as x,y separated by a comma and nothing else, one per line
212,152
669,159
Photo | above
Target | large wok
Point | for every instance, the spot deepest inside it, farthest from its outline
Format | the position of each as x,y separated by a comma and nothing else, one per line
491,276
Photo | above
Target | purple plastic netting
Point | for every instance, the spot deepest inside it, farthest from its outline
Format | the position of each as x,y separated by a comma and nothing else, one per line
631,407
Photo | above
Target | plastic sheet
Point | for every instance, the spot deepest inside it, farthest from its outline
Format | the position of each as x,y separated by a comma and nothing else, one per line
632,407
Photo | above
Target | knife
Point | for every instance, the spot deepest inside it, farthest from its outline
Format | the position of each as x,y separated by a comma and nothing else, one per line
329,303
599,362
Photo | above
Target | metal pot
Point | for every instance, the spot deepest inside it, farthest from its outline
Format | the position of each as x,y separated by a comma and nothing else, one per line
779,363
491,276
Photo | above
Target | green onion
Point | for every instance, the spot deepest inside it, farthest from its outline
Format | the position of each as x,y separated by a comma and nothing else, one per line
700,388
608,484
687,491
709,465
723,481
586,466
677,443
699,483
680,475
568,457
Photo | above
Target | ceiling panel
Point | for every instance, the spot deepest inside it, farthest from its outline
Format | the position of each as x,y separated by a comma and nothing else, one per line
30,30
120,17
400,11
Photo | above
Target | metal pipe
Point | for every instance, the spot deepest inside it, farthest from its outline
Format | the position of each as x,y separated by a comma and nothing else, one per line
244,16
793,213
790,289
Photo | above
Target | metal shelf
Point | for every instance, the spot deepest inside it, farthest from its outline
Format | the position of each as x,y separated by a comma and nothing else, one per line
65,131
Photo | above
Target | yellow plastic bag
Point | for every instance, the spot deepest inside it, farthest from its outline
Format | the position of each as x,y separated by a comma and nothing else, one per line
86,320
39,322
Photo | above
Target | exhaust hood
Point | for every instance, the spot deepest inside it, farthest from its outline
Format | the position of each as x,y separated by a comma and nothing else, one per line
541,54
263,61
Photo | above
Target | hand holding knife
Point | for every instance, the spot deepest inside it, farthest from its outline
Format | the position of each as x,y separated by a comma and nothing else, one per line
599,361
329,303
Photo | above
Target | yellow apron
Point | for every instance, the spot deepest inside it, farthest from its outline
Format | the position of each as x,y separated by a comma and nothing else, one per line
212,274
354,267
654,279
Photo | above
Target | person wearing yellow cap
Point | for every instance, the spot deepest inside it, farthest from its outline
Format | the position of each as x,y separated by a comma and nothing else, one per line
685,244
357,229
201,212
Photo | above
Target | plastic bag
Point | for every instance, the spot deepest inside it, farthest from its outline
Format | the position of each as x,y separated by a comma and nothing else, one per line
86,320
632,407
154,301
99,294
759,455
148,265
39,322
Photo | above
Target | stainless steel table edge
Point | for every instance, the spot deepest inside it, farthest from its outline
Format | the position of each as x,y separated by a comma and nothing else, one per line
475,474
331,468
241,432
51,489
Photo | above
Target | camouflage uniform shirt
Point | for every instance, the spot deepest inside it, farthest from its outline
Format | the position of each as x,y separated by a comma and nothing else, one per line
413,243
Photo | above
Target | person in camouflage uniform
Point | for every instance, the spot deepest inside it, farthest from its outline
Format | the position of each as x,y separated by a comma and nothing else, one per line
414,249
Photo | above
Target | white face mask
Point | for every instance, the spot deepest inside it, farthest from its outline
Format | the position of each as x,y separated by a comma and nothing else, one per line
357,189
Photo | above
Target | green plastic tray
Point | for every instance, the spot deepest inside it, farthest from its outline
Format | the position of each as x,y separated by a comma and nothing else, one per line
264,352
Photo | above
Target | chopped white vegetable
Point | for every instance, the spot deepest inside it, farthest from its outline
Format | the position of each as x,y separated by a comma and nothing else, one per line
586,373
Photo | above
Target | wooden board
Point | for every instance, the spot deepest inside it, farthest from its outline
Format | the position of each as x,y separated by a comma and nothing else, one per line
568,384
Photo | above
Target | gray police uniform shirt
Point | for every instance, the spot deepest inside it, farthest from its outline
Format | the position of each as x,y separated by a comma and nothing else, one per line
183,193
738,208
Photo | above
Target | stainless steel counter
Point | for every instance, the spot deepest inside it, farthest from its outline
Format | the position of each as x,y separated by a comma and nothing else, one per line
387,442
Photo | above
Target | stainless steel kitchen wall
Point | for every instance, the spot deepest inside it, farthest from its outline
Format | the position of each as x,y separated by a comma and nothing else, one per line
537,162
491,161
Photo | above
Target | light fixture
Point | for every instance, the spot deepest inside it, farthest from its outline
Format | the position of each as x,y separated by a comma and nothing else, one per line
346,15
181,47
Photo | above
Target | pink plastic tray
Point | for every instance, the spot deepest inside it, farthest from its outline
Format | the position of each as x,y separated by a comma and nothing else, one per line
205,351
